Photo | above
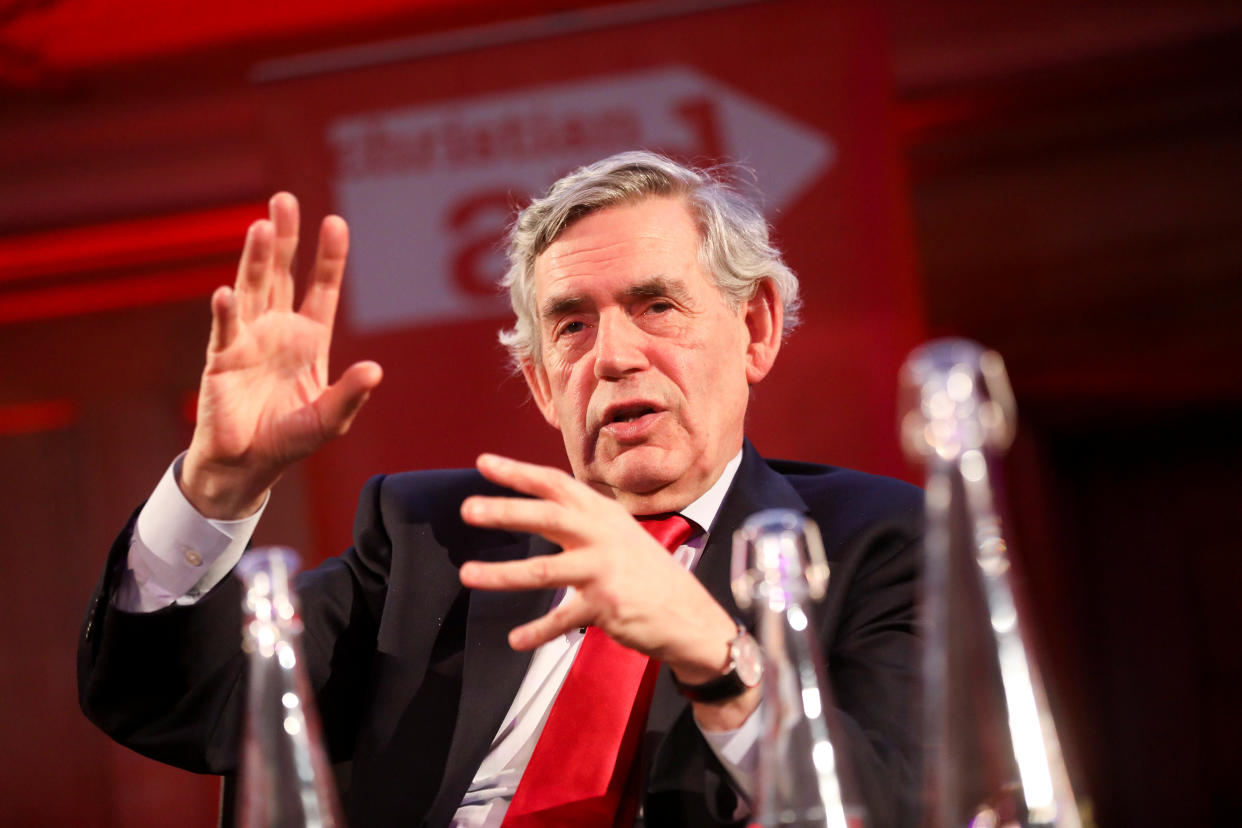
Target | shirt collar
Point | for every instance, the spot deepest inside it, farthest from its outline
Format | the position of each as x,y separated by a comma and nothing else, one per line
704,510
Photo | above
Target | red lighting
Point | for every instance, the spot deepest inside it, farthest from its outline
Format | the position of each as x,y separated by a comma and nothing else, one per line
29,418
126,244
118,265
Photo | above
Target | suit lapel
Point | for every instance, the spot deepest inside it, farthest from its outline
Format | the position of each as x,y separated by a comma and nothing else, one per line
755,488
492,672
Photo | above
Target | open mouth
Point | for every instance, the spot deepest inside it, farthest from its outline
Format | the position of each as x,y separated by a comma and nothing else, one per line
631,422
629,413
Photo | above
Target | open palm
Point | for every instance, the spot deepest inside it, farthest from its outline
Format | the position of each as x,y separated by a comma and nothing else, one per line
265,401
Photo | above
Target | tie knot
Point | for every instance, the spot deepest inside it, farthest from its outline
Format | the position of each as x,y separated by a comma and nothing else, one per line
670,531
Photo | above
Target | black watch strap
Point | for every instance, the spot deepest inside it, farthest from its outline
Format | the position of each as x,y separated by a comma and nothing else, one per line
728,686
737,678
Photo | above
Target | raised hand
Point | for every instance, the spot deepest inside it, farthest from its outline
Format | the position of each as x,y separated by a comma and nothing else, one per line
264,400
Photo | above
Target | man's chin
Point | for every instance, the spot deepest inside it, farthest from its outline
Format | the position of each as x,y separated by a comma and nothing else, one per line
640,474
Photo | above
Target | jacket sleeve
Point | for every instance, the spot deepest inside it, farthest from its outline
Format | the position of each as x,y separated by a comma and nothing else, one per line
170,684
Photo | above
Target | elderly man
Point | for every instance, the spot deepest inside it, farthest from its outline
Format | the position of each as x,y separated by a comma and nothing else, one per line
648,301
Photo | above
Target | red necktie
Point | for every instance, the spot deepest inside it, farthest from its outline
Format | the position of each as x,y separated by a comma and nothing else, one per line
580,772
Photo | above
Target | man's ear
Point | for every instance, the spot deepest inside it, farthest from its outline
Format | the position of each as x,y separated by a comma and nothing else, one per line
540,389
765,320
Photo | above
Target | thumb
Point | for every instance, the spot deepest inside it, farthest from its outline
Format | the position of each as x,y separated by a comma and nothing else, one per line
340,402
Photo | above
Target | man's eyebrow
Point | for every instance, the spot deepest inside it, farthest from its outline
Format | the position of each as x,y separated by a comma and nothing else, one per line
651,288
561,305
658,286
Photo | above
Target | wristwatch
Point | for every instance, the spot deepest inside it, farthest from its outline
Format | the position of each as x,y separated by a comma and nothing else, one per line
745,670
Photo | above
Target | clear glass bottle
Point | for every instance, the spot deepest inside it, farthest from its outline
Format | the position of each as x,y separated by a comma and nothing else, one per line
285,778
993,756
778,570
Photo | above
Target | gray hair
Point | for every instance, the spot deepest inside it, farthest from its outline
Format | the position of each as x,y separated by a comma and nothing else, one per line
735,247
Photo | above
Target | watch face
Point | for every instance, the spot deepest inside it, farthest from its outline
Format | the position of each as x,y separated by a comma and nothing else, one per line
748,660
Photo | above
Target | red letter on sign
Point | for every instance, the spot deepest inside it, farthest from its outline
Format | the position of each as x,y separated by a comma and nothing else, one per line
482,217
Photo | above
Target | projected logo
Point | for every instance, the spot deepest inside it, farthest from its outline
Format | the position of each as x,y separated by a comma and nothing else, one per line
429,190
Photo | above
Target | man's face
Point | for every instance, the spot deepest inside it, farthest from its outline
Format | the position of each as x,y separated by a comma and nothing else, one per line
644,368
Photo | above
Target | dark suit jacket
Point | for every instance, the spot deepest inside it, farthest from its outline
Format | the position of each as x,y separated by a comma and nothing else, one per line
413,673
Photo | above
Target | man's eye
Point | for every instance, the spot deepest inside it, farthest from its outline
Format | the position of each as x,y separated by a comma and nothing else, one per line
571,328
660,307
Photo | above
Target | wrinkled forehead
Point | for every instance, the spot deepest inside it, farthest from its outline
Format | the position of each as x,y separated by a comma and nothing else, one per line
640,239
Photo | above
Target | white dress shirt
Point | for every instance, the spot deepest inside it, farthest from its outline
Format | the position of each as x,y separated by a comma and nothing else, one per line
176,555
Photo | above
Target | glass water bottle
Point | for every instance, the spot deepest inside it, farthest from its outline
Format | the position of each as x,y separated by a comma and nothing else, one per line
993,757
779,569
286,780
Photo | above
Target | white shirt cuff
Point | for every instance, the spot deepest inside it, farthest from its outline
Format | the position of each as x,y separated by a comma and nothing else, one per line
738,751
176,555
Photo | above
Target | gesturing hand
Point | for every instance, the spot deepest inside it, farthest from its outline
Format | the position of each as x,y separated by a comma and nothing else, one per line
264,400
625,583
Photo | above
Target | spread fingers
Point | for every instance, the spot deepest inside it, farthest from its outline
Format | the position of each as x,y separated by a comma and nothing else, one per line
283,209
254,271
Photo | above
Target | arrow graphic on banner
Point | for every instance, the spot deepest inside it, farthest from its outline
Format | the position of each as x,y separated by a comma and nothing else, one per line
429,190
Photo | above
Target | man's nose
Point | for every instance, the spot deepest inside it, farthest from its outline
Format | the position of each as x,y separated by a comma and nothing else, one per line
619,347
